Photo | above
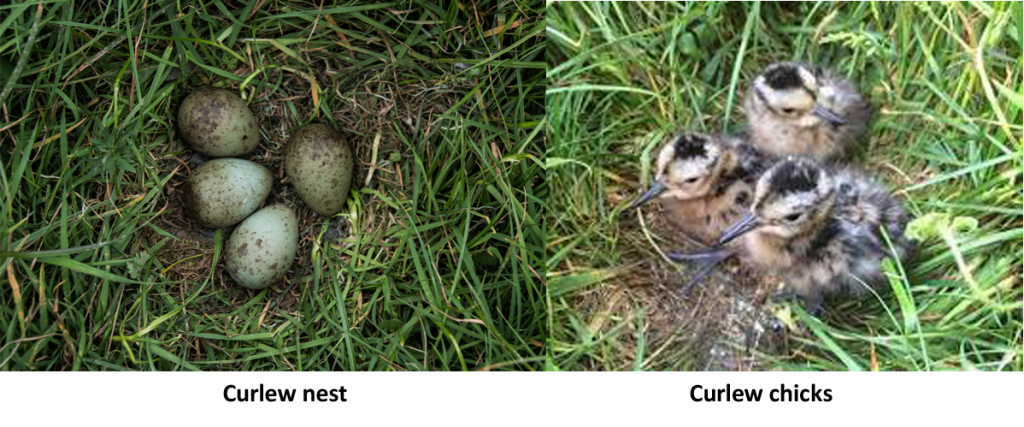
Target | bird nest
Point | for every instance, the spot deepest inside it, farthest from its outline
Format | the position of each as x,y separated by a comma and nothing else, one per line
365,112
722,323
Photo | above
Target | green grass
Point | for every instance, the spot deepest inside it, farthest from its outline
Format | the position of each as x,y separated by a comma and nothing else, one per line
439,264
946,79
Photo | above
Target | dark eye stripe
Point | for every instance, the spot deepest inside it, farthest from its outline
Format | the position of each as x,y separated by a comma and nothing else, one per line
813,95
764,100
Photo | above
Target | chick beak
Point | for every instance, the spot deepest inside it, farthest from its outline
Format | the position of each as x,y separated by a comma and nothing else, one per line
747,223
828,115
657,188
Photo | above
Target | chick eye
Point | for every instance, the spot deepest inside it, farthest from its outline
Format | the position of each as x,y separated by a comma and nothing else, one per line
788,110
690,180
792,217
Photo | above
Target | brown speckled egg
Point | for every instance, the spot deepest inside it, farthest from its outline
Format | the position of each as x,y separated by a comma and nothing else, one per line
222,192
262,248
217,123
318,162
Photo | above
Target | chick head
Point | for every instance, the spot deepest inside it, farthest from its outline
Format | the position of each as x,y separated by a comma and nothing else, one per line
792,93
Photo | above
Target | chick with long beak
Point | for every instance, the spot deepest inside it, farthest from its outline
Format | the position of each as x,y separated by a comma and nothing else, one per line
705,182
817,230
803,109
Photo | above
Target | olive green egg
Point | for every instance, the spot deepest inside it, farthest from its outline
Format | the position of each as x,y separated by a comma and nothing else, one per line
217,123
222,192
261,249
318,162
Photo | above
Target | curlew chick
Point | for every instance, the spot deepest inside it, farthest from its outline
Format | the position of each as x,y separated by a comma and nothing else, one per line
706,182
802,109
820,231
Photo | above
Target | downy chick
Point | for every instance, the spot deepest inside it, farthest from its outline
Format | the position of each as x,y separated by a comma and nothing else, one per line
820,231
706,182
803,109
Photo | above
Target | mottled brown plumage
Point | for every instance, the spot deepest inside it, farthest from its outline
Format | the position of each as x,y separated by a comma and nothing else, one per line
820,230
803,109
705,182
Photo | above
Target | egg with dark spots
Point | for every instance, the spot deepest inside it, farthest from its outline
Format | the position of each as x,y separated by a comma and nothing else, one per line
261,249
222,192
318,161
218,123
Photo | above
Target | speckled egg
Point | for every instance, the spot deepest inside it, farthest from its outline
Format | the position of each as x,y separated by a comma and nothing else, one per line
261,249
217,123
222,192
318,162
